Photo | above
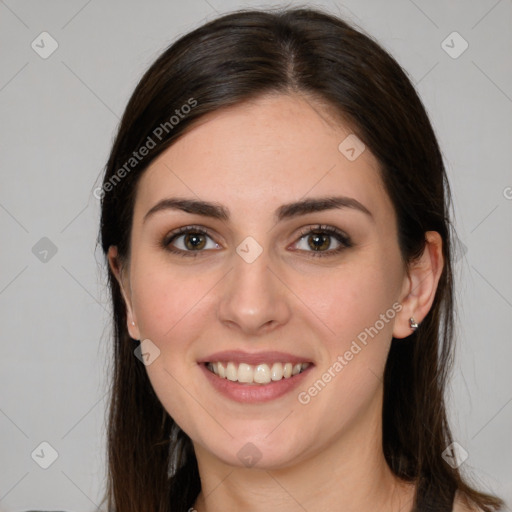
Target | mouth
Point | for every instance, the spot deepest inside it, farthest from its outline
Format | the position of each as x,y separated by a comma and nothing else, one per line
257,375
252,378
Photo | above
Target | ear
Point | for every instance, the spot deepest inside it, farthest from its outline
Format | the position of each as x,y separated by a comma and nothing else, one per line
420,285
122,277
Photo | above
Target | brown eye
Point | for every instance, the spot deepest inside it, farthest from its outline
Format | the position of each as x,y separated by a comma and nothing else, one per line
319,240
189,241
194,241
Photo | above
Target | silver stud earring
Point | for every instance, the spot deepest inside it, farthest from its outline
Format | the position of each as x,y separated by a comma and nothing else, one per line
414,325
133,323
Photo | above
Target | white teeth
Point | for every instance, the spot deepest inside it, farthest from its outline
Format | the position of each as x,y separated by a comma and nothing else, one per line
262,374
245,373
276,372
259,374
231,371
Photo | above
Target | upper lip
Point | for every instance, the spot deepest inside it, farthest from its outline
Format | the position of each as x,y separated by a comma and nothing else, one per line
238,356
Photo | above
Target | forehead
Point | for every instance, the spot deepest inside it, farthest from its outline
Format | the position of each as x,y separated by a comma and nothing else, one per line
259,154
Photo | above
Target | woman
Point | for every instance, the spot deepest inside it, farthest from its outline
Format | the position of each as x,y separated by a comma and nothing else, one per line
275,217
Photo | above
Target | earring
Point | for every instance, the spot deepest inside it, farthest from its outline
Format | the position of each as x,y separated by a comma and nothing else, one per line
133,323
414,325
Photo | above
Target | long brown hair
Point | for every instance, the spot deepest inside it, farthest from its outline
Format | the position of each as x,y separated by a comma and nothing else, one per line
236,57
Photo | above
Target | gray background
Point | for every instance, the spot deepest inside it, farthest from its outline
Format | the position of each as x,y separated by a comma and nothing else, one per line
58,118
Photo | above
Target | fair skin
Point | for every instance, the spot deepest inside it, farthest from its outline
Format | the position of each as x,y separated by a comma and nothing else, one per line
325,454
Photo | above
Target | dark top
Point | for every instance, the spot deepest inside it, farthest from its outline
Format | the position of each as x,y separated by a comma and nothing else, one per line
428,502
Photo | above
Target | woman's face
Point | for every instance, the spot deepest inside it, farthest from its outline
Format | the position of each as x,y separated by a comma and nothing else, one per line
257,292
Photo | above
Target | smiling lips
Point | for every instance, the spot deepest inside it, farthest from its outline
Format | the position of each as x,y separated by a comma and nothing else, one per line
255,368
255,377
255,374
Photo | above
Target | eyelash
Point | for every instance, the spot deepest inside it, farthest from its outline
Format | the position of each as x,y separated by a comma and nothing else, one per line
341,237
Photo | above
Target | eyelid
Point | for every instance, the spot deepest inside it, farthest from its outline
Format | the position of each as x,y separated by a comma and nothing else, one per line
324,228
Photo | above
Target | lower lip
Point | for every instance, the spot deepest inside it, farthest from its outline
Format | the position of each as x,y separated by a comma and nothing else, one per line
254,393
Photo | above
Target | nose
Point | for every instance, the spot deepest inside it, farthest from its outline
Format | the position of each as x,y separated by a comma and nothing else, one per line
253,298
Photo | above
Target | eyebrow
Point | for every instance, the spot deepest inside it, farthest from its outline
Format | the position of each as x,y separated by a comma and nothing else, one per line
285,211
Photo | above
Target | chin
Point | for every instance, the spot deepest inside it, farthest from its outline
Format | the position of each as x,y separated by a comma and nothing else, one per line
255,450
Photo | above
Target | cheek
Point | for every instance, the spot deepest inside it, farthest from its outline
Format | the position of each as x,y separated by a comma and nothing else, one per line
352,299
170,309
167,301
359,306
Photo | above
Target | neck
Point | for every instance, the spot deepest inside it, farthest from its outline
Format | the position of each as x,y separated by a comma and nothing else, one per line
350,475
